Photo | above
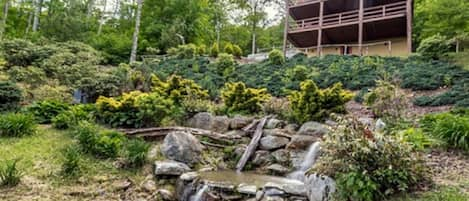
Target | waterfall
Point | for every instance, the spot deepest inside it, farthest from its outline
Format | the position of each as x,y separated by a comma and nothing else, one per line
200,193
308,162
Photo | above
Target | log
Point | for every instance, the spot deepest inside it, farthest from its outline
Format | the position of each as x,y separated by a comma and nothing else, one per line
251,148
163,131
213,144
251,126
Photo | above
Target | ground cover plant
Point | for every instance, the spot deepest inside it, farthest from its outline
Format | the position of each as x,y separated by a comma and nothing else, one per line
452,128
17,125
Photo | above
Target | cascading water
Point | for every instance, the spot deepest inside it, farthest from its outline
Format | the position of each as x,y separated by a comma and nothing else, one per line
308,162
200,193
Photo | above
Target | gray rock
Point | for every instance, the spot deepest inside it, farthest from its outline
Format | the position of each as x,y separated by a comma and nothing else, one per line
275,132
201,120
261,157
121,185
182,147
149,185
273,189
239,150
277,169
366,121
236,132
247,189
297,157
281,156
295,188
301,141
380,125
331,123
313,128
274,123
220,124
239,122
273,142
170,168
291,128
273,198
189,176
166,195
319,188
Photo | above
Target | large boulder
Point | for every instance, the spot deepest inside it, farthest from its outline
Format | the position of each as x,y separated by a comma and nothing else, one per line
301,142
170,168
274,123
281,156
220,124
261,157
319,188
183,147
291,128
239,122
271,142
313,128
201,120
275,132
277,169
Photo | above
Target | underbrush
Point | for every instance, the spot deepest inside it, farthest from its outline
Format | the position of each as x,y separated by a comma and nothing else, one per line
452,128
10,175
17,125
369,165
45,111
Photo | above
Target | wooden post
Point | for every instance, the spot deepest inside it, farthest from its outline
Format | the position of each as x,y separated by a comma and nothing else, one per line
390,48
360,29
321,14
409,25
285,32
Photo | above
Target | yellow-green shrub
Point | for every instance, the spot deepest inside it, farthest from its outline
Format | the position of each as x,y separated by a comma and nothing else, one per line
312,103
177,89
134,109
240,99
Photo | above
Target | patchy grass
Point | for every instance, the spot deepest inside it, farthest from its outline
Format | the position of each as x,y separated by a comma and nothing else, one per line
41,161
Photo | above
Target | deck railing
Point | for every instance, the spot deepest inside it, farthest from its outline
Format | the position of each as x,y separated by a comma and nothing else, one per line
301,2
350,17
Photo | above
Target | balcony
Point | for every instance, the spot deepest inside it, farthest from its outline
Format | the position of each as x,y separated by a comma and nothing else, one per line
370,14
294,3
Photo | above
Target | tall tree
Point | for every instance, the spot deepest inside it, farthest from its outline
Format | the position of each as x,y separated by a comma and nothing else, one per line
37,14
133,53
3,24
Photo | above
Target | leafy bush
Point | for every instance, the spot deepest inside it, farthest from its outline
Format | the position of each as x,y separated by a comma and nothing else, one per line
45,111
434,47
9,174
237,51
177,89
228,49
10,96
72,116
71,163
417,138
276,57
451,128
17,125
225,64
367,165
312,103
134,109
214,50
387,100
136,152
239,98
52,91
201,49
97,141
31,75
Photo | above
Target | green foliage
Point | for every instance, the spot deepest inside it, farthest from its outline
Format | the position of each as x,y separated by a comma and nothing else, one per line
10,96
136,152
17,125
237,51
276,57
45,111
177,89
387,101
417,138
240,99
214,50
451,128
356,186
71,117
312,103
435,47
228,49
98,142
10,175
71,161
367,165
31,75
188,51
225,65
134,109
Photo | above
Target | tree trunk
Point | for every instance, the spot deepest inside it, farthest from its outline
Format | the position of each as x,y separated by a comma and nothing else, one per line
37,13
133,53
4,18
89,9
101,21
30,19
254,24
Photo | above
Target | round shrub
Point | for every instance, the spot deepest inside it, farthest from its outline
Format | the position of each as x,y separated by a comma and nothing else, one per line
237,51
108,144
240,99
17,125
45,111
225,64
228,49
276,57
368,165
214,50
71,117
434,47
10,96
136,152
